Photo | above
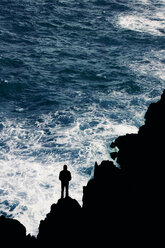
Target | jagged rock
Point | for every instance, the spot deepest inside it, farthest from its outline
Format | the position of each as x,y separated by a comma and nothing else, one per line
104,189
105,203
61,225
142,154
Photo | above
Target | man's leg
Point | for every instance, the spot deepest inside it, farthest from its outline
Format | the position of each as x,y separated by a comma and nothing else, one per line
62,190
67,189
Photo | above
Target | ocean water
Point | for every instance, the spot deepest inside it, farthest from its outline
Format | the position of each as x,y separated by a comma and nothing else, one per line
74,75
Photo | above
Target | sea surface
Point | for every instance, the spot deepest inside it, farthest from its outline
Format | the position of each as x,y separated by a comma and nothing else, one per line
74,75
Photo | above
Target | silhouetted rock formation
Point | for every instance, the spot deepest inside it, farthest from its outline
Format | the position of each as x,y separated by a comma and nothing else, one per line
121,206
101,190
107,205
61,225
142,154
12,232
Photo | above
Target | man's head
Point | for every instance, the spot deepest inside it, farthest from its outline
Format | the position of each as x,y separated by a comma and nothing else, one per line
65,167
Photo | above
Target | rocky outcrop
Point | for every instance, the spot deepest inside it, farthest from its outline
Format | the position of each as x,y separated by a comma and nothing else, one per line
106,205
142,154
13,233
61,225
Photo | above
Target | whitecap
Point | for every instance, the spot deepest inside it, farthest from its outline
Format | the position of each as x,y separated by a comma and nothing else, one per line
152,63
142,24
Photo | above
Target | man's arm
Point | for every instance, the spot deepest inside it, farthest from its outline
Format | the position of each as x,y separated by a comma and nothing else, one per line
60,177
70,177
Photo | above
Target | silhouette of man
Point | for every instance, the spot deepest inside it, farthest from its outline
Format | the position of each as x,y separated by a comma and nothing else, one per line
65,177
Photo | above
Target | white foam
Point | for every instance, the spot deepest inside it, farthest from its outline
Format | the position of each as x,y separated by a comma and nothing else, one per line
31,181
151,63
143,24
145,17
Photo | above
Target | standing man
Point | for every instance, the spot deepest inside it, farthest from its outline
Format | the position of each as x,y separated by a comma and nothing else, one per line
65,177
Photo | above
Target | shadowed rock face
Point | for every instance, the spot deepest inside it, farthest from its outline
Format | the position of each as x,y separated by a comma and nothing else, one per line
12,232
142,154
121,206
61,223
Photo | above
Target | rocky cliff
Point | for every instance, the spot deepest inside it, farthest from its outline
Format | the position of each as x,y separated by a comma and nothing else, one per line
121,206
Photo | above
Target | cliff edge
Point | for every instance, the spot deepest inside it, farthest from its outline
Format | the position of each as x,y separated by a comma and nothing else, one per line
121,205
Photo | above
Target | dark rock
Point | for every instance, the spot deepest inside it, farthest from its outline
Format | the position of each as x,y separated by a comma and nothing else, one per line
113,155
12,232
61,225
105,204
142,156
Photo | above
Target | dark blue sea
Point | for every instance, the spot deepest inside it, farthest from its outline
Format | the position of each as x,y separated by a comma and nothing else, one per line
74,75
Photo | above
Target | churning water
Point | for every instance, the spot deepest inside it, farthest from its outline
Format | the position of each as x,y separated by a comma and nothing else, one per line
74,75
